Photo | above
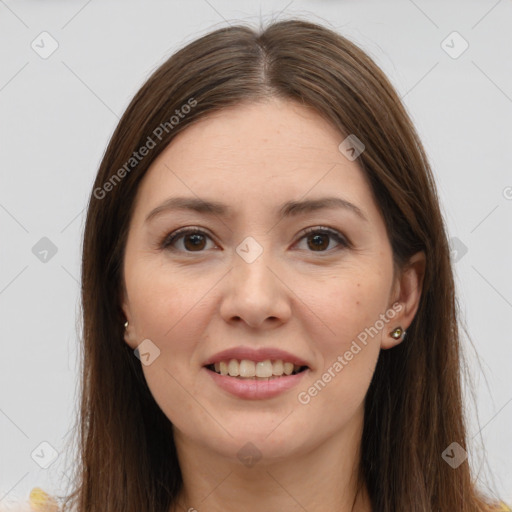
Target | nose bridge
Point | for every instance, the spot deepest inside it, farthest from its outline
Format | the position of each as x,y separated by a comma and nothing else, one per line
253,292
251,268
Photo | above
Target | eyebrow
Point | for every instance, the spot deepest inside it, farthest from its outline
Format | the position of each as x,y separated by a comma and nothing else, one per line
288,209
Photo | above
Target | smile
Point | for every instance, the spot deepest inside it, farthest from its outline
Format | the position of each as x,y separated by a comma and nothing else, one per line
255,380
247,369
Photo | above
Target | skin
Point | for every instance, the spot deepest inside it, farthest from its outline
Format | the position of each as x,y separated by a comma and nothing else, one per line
192,303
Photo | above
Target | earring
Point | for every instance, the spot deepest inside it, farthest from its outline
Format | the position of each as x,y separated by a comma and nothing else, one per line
397,333
126,325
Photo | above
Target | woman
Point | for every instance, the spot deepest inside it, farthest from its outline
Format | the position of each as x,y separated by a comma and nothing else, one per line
269,317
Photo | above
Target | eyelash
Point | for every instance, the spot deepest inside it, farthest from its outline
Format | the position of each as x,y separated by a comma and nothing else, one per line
171,238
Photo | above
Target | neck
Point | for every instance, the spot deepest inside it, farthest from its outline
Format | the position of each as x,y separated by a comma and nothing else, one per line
323,477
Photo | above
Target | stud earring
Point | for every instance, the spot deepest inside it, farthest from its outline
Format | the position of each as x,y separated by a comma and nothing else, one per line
398,333
126,325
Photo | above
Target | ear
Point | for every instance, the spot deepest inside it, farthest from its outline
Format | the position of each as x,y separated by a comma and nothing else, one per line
407,288
130,335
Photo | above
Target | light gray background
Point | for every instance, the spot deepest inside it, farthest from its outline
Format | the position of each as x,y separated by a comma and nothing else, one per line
57,115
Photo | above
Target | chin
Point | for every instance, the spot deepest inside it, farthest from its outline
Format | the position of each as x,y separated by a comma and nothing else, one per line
260,443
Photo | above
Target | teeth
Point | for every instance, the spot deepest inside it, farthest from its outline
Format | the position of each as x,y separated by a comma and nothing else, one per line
264,368
277,367
288,368
233,368
251,369
247,368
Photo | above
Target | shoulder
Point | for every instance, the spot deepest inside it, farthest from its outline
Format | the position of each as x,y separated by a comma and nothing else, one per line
38,501
501,507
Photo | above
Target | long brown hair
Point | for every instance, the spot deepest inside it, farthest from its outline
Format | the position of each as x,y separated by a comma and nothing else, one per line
413,410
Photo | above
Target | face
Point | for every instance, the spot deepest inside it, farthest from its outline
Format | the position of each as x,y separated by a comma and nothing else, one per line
260,277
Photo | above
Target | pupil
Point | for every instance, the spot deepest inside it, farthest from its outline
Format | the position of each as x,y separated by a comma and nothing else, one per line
198,238
317,241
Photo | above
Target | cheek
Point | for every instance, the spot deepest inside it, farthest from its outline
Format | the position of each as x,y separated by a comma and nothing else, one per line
173,318
173,393
348,358
170,309
164,303
348,307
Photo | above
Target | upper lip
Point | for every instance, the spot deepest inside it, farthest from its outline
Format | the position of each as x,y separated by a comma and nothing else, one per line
255,354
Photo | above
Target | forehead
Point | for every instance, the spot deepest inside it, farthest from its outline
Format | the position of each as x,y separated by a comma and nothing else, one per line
260,153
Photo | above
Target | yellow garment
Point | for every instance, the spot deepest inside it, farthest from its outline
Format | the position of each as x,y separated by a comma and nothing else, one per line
40,501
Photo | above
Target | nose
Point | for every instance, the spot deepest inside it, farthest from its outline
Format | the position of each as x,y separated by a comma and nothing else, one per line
256,294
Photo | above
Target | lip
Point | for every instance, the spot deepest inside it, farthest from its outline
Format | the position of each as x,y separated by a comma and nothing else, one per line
256,355
256,389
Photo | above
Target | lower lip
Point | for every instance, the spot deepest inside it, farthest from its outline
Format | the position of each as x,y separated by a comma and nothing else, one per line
256,389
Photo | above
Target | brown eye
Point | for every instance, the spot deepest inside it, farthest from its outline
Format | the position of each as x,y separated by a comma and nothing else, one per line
318,239
194,240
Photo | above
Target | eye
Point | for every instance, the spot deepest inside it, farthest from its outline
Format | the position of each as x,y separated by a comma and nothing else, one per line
318,238
194,240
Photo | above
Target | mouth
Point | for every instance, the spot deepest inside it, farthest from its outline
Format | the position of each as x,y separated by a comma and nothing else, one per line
246,369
